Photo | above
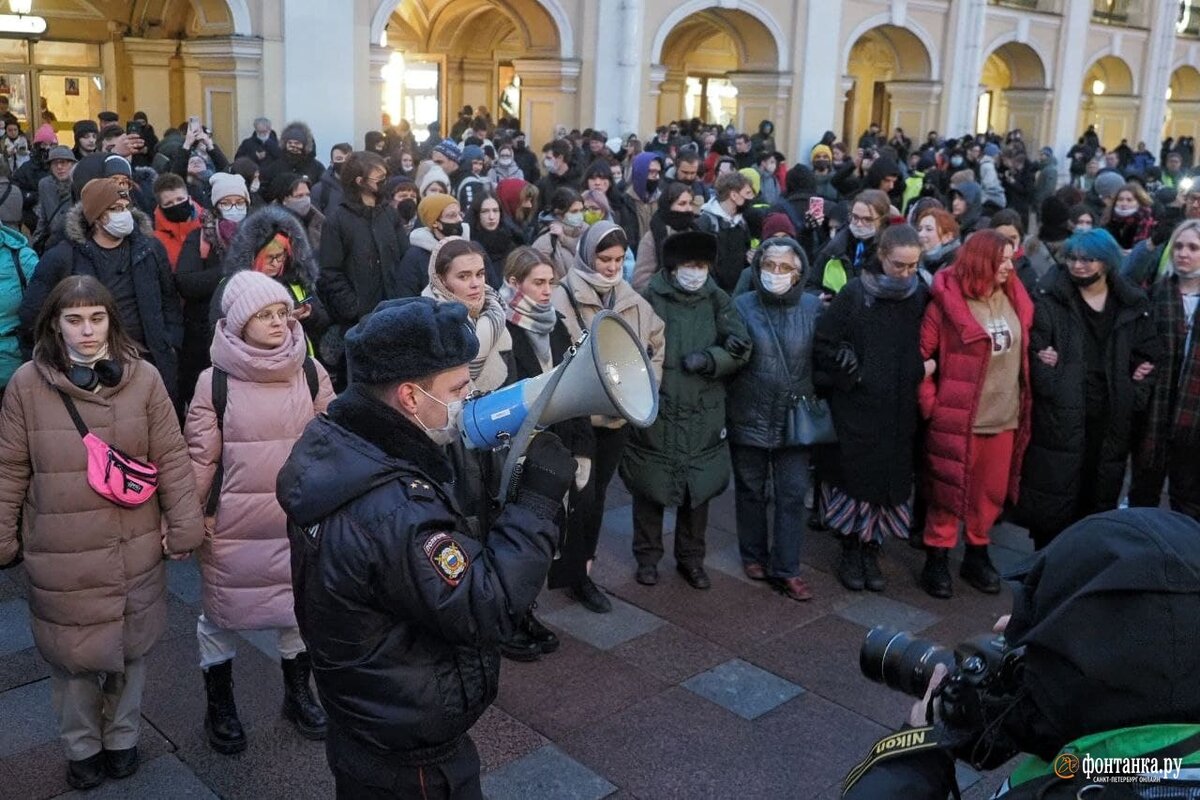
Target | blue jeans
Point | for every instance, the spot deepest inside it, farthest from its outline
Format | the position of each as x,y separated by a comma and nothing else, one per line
785,471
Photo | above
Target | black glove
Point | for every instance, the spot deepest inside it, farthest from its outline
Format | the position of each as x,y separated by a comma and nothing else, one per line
737,346
698,362
546,475
846,359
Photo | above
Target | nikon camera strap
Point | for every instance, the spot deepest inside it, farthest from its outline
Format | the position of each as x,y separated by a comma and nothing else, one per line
903,743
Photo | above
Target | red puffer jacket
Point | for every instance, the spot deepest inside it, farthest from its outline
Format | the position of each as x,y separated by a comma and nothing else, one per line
950,399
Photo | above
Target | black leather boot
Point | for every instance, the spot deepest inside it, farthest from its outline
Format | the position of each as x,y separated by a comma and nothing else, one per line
872,575
221,723
299,706
935,577
86,773
978,571
521,646
545,638
850,564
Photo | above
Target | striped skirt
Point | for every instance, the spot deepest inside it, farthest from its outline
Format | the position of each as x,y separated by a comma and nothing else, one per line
870,522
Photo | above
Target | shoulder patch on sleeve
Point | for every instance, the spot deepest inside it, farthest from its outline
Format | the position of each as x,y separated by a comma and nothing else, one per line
448,559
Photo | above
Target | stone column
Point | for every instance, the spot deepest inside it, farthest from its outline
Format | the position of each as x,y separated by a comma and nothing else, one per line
378,60
822,96
914,106
1156,74
223,85
671,93
963,65
149,62
765,95
549,89
324,56
618,92
1066,125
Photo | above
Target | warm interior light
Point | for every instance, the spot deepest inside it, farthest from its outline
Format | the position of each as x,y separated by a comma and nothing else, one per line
21,7
1170,92
1098,86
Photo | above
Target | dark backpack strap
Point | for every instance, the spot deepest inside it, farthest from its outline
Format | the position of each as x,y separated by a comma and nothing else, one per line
74,412
310,375
574,305
12,252
220,398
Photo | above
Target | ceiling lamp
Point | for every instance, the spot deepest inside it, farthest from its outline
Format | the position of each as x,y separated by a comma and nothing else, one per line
21,7
1098,86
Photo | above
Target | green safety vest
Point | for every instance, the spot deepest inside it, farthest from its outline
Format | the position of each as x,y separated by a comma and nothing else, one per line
834,277
299,293
912,190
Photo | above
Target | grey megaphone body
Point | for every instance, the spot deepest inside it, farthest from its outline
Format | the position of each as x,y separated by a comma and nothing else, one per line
608,373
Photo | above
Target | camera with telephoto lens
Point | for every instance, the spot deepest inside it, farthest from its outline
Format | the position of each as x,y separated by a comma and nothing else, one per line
983,684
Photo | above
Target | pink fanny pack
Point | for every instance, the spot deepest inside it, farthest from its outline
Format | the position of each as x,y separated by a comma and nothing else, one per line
115,476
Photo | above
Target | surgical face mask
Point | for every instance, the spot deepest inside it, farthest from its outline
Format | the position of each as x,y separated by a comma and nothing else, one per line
862,231
1125,212
690,279
775,284
956,161
255,186
574,219
548,163
119,224
504,161
301,205
450,431
592,216
235,214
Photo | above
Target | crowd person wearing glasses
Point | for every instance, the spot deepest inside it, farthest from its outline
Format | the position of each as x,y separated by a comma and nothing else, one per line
868,355
1167,450
249,409
1094,348
200,271
107,237
976,396
97,590
848,253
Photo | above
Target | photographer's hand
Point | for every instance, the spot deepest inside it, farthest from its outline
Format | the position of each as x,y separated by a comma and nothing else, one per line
920,714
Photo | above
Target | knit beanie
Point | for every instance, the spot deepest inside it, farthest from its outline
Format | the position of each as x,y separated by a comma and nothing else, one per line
248,293
821,151
778,222
431,208
471,152
1108,183
434,174
97,196
991,149
45,135
117,165
226,184
449,149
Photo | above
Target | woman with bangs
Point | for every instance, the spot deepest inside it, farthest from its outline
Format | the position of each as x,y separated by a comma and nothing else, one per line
977,399
1131,218
938,232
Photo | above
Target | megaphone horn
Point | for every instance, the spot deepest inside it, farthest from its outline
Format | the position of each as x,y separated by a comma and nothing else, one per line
607,373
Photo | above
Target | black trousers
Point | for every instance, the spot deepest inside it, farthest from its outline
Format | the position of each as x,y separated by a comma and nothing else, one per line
690,526
454,779
586,513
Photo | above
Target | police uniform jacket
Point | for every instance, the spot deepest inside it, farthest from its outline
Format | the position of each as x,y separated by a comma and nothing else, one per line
400,607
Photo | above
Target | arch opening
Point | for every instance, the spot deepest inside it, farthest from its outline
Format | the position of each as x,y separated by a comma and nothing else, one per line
883,55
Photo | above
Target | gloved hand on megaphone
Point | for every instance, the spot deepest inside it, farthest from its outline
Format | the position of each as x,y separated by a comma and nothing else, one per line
546,475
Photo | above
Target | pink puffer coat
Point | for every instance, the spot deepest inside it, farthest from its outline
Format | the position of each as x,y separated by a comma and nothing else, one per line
245,561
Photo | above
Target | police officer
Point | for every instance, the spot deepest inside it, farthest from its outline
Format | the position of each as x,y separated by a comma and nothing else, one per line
400,606
1109,616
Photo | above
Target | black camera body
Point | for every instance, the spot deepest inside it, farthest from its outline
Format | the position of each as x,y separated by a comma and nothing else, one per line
983,684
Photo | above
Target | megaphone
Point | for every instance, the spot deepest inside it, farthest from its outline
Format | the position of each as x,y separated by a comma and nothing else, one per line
608,372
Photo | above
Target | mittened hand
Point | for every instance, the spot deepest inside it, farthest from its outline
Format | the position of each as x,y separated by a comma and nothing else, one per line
698,362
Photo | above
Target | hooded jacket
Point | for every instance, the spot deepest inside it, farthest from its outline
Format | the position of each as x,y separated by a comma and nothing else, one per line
644,201
260,152
245,560
17,265
972,219
305,163
361,248
153,285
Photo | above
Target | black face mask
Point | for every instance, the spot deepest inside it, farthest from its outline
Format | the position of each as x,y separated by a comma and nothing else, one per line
1086,281
451,228
178,213
104,372
407,208
651,186
821,165
679,220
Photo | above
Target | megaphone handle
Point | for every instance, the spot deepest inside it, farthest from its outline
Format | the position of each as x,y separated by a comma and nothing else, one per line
519,442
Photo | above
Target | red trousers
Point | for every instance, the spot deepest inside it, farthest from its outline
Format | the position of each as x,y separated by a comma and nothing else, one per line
987,486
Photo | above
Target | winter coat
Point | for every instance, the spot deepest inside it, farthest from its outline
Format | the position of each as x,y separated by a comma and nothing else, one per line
760,395
305,164
950,398
314,224
733,242
154,286
405,662
414,267
559,249
1053,470
989,180
172,235
200,270
327,193
972,219
245,559
260,152
875,410
579,303
1128,231
361,248
97,591
1047,180
11,203
839,262
17,264
684,453
52,203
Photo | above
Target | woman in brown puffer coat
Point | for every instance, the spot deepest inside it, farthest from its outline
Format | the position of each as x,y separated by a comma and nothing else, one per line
272,391
97,583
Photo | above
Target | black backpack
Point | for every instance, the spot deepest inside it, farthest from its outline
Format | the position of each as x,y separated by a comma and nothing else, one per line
220,398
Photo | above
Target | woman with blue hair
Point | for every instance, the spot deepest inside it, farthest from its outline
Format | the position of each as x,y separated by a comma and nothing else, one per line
1093,349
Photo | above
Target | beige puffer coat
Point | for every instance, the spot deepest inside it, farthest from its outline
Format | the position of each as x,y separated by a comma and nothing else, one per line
97,582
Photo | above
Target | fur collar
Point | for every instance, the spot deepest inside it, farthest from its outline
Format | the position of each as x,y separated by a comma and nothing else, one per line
75,228
390,431
257,229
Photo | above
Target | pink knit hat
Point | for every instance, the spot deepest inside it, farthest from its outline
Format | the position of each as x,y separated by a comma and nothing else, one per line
45,135
248,293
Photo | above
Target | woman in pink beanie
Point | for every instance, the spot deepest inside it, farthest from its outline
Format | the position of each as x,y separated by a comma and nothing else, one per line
271,390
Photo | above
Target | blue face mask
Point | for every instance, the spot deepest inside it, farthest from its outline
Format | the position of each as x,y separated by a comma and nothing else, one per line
890,283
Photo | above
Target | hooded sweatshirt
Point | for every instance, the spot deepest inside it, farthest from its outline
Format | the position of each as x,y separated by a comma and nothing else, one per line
972,219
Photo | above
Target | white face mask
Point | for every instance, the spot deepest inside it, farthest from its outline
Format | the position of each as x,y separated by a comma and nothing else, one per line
573,220
450,431
690,279
255,186
548,163
235,214
1125,212
504,161
775,284
862,231
119,224
301,205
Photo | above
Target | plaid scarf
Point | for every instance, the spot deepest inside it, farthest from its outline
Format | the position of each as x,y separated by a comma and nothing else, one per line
1178,379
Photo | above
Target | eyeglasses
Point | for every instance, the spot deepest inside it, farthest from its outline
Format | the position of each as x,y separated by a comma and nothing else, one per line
855,218
277,258
267,315
778,267
227,205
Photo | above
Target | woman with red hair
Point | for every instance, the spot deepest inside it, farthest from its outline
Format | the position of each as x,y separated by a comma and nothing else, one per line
976,397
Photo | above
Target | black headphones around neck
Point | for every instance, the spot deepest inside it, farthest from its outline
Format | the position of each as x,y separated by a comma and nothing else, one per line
105,372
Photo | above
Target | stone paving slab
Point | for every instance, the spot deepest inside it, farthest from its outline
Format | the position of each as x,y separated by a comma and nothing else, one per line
27,718
875,609
502,738
165,776
743,688
603,631
14,626
20,668
671,653
546,772
183,580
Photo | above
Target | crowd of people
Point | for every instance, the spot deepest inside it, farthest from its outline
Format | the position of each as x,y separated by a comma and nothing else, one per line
872,337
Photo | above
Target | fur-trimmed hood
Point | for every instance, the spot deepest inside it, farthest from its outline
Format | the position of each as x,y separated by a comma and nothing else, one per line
75,228
300,132
257,229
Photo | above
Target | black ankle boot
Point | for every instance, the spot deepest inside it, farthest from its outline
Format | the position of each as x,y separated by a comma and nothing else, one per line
86,773
850,564
221,723
978,571
542,636
299,706
872,575
521,646
935,577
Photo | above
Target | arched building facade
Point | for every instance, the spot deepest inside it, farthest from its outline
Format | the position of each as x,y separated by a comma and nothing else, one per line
1050,67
